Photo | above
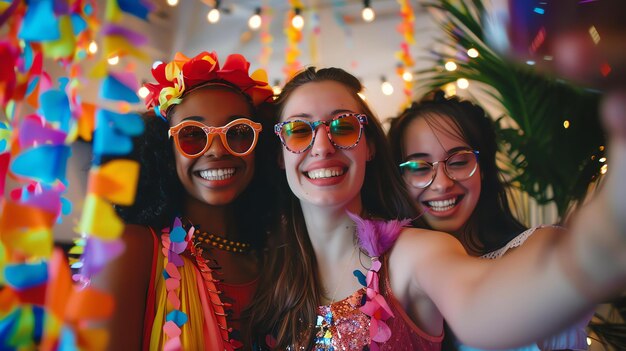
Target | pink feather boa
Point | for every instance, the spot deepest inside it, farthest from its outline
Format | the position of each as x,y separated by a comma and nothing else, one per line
376,237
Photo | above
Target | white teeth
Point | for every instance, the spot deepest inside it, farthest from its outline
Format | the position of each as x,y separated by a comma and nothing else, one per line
217,174
325,172
442,205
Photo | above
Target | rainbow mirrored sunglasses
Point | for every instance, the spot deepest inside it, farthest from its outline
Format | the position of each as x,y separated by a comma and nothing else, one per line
193,138
344,131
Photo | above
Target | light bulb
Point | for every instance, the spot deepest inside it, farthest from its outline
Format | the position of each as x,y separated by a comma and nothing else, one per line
368,14
93,47
473,53
113,60
172,2
407,76
297,22
386,88
450,66
254,22
143,92
462,83
213,16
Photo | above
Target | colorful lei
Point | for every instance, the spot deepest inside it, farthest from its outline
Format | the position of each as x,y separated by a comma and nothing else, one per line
183,74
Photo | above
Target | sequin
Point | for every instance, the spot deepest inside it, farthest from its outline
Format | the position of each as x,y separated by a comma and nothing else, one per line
341,326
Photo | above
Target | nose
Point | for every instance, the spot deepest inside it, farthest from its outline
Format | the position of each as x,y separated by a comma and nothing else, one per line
441,182
322,146
216,148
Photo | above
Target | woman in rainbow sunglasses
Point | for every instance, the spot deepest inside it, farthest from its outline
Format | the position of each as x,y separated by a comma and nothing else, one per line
348,275
192,261
446,152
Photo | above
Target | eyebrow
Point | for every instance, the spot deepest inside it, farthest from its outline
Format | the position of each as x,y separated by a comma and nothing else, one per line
333,113
448,152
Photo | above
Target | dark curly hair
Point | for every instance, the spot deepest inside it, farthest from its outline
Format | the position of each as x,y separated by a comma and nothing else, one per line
160,193
492,224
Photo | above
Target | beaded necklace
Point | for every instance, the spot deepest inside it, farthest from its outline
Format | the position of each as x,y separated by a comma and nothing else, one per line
218,242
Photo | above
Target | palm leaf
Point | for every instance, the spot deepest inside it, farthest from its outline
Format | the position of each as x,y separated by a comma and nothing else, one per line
543,158
546,160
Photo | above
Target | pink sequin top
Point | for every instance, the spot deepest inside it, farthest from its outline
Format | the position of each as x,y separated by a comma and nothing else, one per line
342,326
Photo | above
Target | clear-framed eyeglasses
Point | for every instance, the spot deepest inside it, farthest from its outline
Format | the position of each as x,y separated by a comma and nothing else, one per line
459,165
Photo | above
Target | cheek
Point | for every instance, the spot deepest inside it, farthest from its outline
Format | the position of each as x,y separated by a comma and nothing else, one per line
250,164
476,184
476,188
290,162
415,194
181,161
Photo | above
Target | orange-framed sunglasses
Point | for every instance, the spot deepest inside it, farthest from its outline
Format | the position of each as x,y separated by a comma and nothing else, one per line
193,138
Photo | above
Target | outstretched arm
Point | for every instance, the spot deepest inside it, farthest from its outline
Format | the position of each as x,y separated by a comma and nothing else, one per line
537,289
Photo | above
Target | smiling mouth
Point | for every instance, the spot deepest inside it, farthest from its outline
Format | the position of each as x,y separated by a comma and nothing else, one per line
322,173
442,205
217,173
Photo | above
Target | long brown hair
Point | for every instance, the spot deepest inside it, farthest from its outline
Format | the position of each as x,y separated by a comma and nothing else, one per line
286,302
492,223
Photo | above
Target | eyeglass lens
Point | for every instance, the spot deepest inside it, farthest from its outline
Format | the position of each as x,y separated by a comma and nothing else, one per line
193,139
459,166
344,132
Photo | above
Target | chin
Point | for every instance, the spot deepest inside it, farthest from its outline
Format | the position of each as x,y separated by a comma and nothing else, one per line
443,225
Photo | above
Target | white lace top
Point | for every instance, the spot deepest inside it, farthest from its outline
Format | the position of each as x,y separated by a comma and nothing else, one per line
515,242
574,338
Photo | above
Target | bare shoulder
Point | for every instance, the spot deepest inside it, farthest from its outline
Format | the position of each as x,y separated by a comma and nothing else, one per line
419,248
135,262
139,248
138,235
545,234
414,242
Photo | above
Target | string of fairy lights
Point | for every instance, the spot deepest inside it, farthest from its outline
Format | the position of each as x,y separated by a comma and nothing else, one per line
297,22
256,22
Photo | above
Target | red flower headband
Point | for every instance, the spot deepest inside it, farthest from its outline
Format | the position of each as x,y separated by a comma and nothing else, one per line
183,74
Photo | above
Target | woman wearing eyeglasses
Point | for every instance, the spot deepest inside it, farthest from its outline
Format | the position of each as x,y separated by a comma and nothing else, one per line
348,276
197,230
446,150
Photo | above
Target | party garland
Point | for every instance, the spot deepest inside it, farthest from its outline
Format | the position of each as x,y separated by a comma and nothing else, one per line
406,28
40,305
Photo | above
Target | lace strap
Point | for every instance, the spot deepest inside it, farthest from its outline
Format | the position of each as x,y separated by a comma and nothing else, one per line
515,242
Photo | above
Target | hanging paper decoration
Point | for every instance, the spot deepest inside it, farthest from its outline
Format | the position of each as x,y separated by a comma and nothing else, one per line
405,28
294,37
266,37
40,306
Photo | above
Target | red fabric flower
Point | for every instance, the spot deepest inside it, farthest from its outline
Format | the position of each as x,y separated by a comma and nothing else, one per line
173,79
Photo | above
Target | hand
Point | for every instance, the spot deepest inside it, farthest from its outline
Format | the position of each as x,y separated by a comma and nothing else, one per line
613,112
